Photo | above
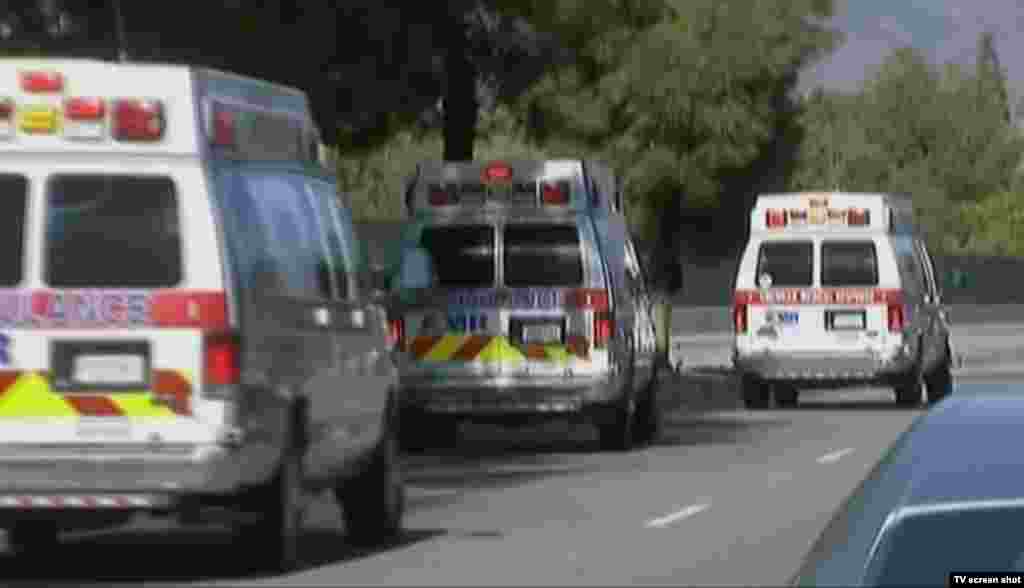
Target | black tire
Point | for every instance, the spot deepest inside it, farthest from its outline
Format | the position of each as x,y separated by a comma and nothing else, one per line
939,383
33,538
617,434
648,419
274,542
908,389
418,433
756,393
373,503
786,396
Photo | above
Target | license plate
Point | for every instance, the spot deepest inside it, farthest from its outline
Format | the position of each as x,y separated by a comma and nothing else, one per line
109,369
542,334
788,318
847,321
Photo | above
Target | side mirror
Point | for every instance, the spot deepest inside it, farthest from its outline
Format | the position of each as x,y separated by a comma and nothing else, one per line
417,270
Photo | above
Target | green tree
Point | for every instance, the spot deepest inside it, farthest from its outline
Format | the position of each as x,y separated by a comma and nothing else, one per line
940,134
679,95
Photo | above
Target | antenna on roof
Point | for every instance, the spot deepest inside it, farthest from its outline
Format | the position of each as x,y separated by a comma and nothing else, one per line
122,52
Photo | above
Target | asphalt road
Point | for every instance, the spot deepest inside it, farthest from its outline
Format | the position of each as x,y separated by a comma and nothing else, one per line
727,497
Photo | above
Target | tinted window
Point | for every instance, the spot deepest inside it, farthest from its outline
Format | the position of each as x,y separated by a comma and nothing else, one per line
279,236
543,255
106,231
852,263
923,550
463,256
786,263
13,200
327,198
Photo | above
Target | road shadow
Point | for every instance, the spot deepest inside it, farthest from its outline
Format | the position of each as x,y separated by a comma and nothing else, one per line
175,555
684,429
488,457
855,405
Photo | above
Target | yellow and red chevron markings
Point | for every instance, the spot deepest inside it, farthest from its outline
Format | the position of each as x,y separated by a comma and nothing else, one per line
26,394
494,348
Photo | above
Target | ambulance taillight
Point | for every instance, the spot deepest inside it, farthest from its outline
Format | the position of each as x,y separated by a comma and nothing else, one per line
858,217
206,311
84,118
595,299
741,310
775,218
222,366
554,193
895,310
6,118
138,120
41,82
396,334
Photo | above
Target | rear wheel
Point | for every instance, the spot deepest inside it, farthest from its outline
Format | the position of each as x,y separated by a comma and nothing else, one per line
617,433
939,383
373,503
648,415
908,389
273,542
756,393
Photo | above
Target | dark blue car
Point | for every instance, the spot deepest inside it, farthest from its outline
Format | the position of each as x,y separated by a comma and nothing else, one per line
947,497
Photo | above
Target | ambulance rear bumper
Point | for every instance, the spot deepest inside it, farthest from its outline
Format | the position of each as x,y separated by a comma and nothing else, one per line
78,476
509,395
824,367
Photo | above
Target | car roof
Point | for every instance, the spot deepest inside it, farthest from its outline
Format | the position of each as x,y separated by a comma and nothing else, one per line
967,449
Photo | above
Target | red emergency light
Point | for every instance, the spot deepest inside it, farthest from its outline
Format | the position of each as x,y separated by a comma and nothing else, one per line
40,82
497,172
85,109
775,218
138,120
858,217
84,118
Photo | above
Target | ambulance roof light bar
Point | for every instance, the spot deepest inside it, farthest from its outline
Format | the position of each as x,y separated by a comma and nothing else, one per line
41,82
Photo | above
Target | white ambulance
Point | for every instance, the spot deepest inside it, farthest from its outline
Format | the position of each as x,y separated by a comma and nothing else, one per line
182,326
533,304
837,289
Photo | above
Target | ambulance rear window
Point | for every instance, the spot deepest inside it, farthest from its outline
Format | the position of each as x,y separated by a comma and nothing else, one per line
463,255
13,198
112,231
542,255
849,263
786,263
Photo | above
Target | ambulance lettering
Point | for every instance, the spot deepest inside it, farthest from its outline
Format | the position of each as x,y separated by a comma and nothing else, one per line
809,296
467,322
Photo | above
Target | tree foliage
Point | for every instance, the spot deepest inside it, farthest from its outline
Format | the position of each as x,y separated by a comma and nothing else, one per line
683,97
940,134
